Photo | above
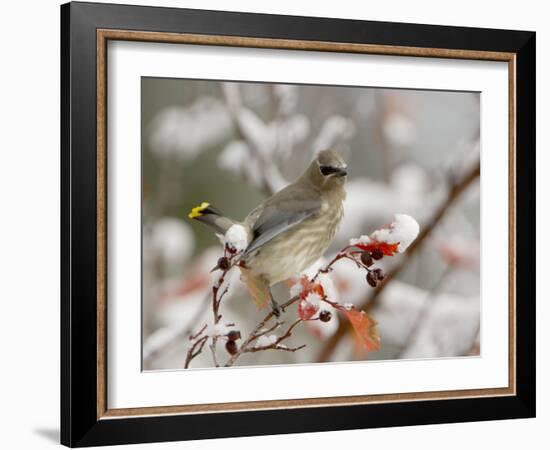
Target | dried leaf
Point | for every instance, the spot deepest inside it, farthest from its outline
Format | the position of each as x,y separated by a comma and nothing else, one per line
364,326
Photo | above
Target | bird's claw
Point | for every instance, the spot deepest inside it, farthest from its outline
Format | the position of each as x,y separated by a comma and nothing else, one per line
275,308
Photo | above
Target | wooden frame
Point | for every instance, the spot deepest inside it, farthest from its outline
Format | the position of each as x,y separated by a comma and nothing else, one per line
86,28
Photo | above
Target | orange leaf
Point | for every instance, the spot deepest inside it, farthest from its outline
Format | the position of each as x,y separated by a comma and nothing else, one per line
384,247
306,310
365,327
309,286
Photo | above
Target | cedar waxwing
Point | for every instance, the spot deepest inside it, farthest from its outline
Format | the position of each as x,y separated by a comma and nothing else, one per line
289,231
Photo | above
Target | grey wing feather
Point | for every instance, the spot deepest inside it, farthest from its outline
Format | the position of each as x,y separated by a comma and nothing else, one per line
280,214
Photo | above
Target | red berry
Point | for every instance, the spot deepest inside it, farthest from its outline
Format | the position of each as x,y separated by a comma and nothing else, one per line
377,254
233,335
371,279
366,259
325,316
231,347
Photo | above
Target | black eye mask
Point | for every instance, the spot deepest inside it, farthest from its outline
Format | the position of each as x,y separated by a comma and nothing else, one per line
330,170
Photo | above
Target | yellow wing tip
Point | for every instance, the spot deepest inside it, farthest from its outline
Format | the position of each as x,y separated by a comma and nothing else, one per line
197,210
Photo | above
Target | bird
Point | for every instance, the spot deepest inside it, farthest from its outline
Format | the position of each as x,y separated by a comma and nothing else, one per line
289,231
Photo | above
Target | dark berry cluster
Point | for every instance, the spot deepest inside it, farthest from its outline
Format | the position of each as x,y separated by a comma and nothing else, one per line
374,276
368,258
231,344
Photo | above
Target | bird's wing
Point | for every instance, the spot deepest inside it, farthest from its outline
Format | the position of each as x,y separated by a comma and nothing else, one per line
280,213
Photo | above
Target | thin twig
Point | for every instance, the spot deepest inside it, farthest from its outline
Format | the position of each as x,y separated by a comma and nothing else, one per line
260,330
217,297
232,260
344,253
277,344
269,330
177,334
257,332
275,347
195,350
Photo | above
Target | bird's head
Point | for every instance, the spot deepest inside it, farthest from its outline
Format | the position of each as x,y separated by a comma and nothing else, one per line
327,171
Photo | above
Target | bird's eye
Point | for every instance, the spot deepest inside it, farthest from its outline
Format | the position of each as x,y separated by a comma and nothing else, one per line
327,170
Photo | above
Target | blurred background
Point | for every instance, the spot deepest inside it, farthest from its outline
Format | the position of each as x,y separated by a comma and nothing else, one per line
233,144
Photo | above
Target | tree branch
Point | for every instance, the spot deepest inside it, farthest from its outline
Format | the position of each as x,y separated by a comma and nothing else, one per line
196,347
458,185
257,332
271,178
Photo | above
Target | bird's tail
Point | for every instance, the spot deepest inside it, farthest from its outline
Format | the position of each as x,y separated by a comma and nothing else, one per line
257,288
209,215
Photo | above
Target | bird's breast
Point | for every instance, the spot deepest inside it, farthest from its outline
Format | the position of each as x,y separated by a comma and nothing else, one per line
298,248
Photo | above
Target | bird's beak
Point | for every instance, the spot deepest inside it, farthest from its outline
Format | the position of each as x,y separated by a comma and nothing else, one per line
340,172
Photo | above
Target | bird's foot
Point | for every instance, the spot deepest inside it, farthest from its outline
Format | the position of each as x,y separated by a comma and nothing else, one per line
275,308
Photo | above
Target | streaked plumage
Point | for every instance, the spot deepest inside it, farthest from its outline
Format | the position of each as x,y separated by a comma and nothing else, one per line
291,230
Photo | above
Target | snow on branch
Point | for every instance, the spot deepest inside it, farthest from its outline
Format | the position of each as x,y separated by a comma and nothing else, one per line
399,235
254,150
457,184
315,296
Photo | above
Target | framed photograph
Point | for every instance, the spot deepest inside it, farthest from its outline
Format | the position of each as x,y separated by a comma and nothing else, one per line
277,224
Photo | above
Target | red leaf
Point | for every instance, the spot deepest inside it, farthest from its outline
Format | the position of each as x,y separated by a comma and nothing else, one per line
364,326
384,247
309,286
306,310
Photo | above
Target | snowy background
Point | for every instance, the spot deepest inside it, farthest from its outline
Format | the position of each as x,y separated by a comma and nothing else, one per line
232,144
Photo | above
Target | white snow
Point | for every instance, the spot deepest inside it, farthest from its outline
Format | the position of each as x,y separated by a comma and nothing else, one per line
287,95
324,330
448,328
261,136
361,240
329,288
159,339
235,158
410,179
173,240
384,200
334,130
296,289
218,329
184,132
313,298
350,282
264,341
236,238
289,133
403,230
399,130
